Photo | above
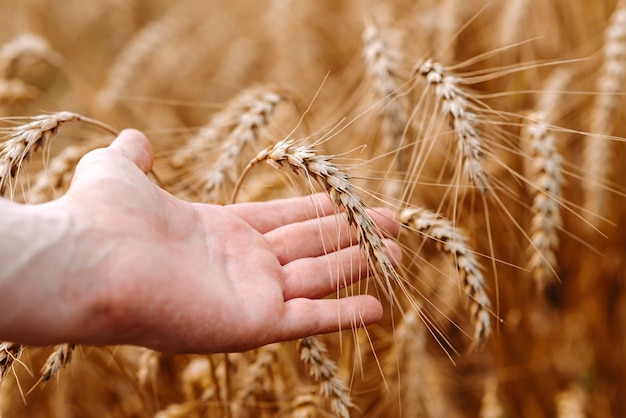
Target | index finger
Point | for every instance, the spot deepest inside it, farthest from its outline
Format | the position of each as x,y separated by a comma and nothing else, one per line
267,216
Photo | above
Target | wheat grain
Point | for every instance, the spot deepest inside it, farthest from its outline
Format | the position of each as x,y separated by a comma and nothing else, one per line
20,141
452,242
301,160
314,354
58,359
455,105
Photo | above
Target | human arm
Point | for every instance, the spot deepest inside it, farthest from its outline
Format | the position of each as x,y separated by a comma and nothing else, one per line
117,260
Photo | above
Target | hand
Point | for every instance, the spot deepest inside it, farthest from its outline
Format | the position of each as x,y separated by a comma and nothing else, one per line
187,277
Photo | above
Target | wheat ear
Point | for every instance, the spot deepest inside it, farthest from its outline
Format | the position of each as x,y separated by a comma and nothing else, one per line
597,153
127,64
381,67
301,160
490,405
57,174
455,104
255,109
20,141
25,46
9,353
452,242
314,354
571,403
58,359
15,90
249,111
543,169
255,374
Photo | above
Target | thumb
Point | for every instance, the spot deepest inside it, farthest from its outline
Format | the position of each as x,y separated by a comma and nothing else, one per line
135,146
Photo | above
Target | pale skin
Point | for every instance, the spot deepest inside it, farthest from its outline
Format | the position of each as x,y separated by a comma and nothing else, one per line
118,260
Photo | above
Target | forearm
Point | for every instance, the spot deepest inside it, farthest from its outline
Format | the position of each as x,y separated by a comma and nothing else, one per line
40,300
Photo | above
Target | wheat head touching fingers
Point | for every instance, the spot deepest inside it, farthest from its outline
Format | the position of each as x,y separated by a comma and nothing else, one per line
302,161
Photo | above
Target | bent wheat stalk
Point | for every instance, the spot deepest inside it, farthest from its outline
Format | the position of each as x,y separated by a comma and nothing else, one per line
20,141
452,242
301,160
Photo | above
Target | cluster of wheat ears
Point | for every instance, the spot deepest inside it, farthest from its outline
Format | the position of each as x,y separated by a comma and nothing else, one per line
494,131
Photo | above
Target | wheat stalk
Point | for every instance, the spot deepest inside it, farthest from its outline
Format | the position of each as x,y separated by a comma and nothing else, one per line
453,242
301,160
455,104
20,141
314,354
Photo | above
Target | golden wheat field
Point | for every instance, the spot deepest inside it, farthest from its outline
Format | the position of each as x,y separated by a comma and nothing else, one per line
494,130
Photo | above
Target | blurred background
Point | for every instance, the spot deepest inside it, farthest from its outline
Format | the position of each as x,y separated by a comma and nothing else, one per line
539,85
